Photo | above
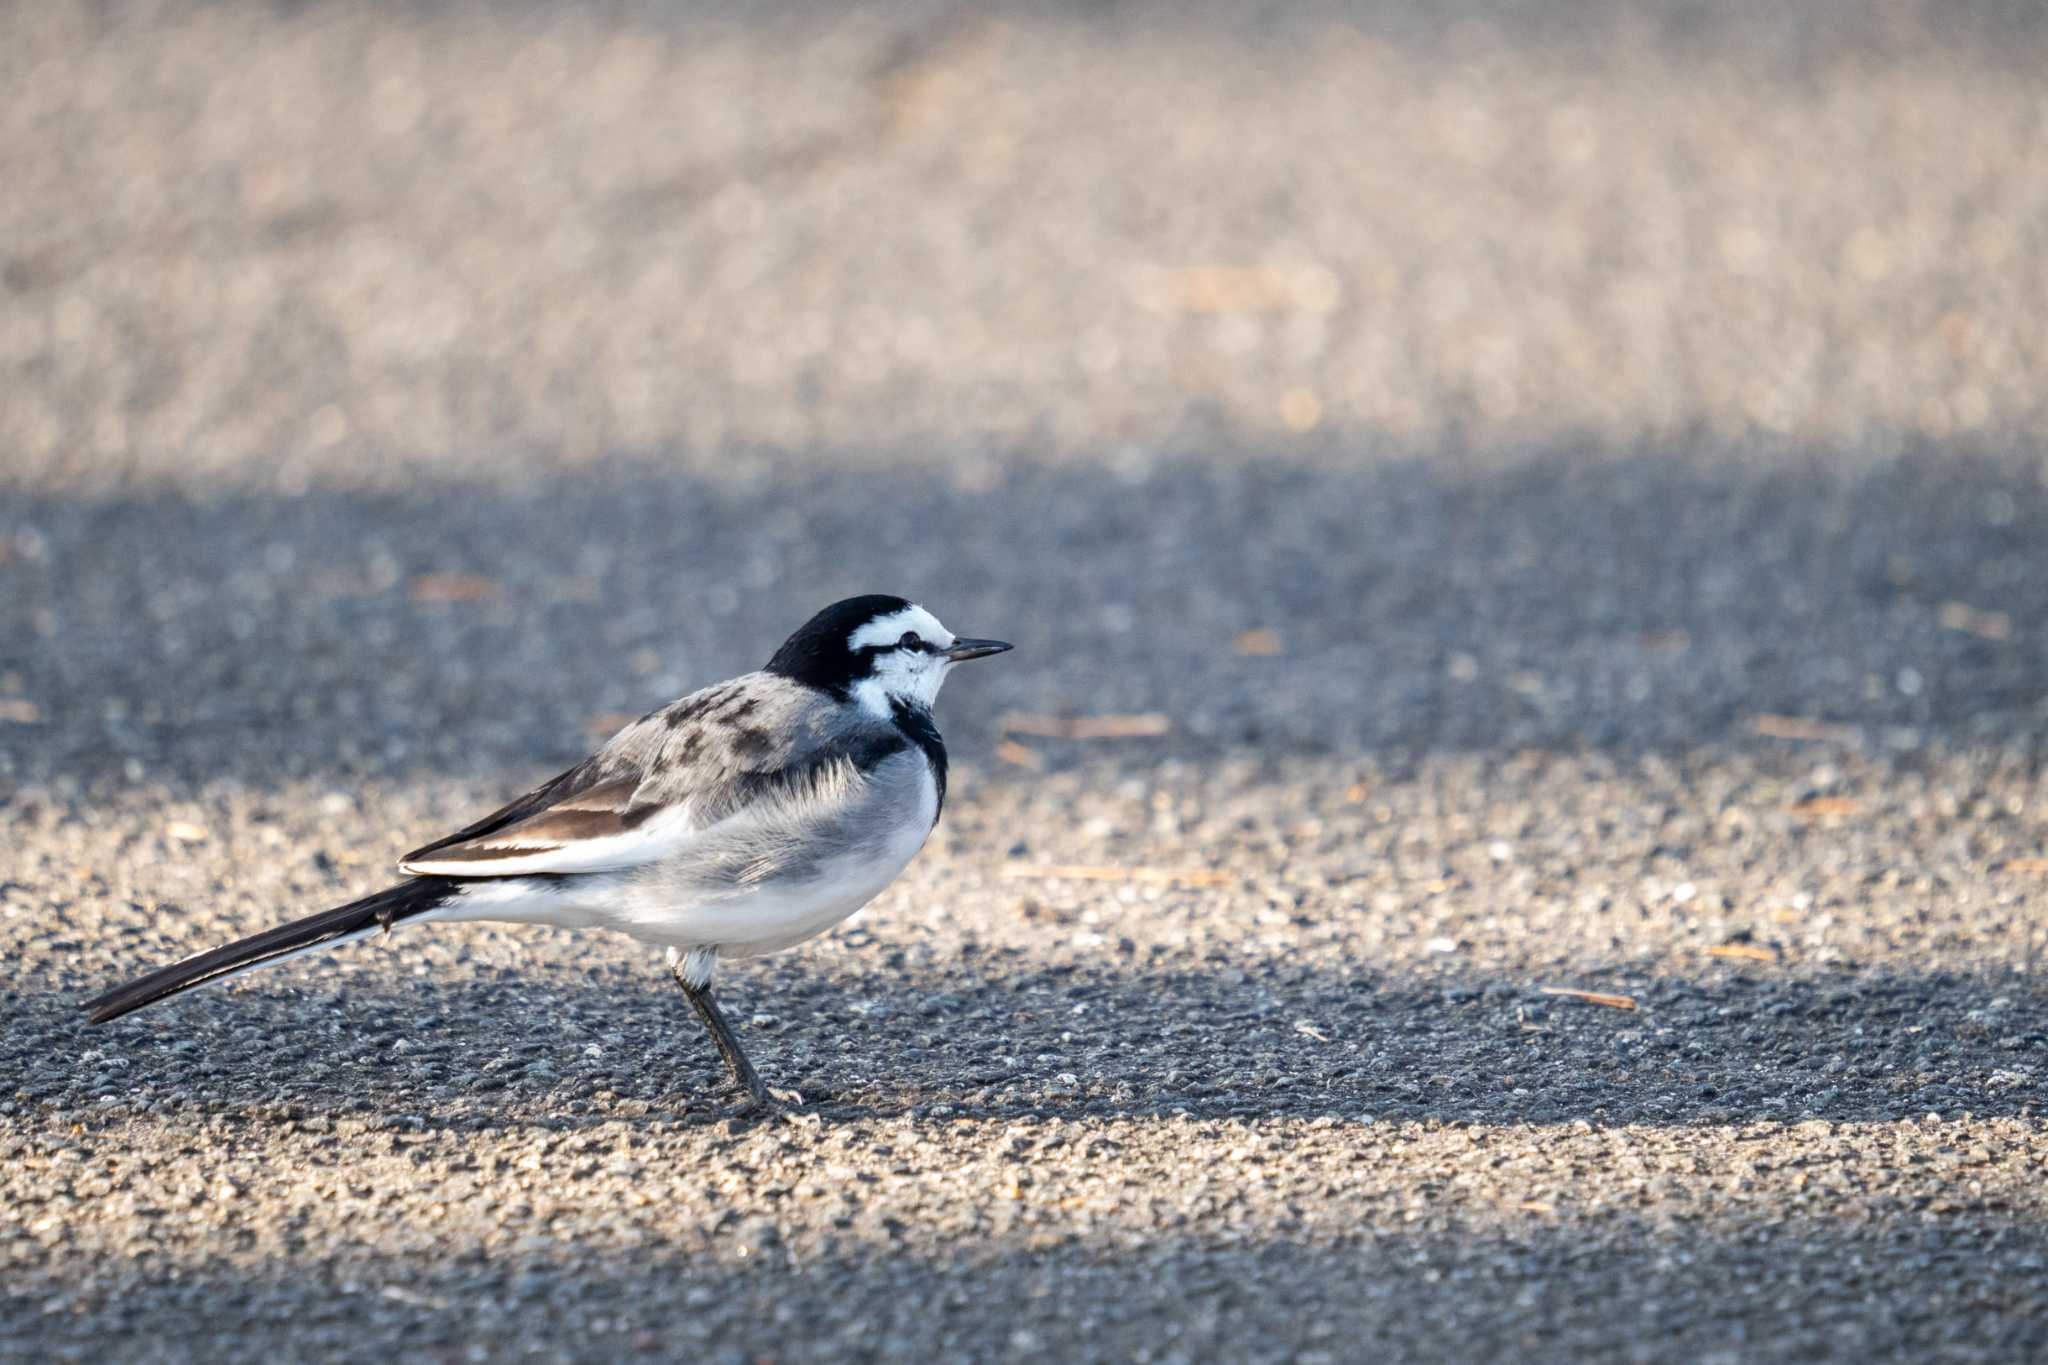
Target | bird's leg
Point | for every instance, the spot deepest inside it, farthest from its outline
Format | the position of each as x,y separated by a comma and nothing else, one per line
736,1063
729,1051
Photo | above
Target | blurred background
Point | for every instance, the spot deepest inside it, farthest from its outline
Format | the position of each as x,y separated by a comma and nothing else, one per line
1646,365
1546,493
363,243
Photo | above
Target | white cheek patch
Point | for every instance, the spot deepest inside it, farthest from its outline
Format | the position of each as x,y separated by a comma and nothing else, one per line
914,677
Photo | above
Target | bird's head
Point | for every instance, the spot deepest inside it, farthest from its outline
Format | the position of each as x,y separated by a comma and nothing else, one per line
875,651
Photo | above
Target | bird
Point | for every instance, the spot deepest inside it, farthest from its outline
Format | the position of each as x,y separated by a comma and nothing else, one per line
739,820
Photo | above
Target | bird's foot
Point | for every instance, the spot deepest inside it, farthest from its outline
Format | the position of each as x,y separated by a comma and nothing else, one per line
764,1105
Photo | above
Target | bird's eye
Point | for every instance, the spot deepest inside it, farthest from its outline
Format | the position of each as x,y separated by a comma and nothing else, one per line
911,640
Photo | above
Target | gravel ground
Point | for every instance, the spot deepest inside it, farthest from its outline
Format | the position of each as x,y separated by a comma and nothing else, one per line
1622,421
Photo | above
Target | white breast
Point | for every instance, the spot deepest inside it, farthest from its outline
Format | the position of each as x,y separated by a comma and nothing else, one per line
775,917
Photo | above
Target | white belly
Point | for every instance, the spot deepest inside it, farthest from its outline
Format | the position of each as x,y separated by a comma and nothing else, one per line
769,920
733,920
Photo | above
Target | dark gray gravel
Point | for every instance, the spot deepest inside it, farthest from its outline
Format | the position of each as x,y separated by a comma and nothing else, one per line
1626,419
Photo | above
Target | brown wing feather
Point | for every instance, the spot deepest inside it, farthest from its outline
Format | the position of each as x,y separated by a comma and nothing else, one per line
705,754
590,813
581,778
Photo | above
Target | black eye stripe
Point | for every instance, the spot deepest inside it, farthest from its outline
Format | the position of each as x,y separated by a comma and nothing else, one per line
870,651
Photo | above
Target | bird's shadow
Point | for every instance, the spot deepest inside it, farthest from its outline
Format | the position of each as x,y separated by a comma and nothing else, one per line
966,1042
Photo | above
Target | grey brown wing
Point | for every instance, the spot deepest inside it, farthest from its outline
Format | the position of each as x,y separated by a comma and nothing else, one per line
592,801
589,829
640,797
578,779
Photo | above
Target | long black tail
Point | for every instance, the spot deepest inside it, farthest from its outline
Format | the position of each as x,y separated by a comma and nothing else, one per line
357,919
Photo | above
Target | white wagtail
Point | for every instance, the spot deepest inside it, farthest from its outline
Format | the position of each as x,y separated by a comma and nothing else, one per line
745,818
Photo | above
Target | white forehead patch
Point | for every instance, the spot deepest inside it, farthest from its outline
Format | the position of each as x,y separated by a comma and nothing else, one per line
887,630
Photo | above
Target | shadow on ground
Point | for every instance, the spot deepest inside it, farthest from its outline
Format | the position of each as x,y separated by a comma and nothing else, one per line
1658,601
1007,1039
1947,1288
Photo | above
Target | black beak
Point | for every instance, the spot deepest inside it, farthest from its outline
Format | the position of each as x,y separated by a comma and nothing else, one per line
964,650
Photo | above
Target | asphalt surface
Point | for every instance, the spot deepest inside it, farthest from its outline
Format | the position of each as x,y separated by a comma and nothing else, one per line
1622,422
